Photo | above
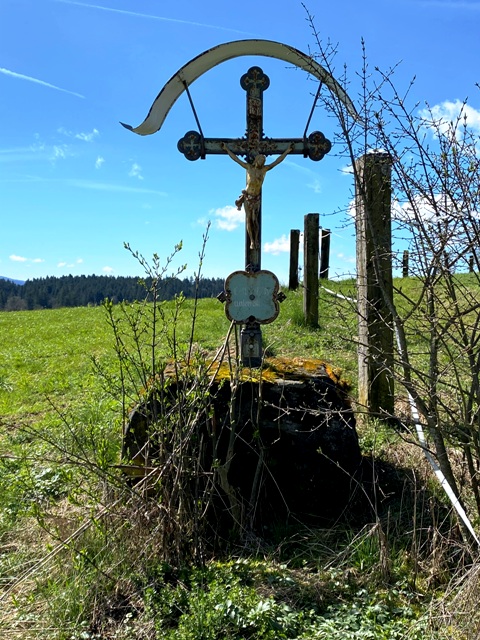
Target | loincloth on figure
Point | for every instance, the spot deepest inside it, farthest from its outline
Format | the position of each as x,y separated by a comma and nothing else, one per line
252,201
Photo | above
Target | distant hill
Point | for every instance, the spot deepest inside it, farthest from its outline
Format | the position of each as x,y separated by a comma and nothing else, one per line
12,280
81,291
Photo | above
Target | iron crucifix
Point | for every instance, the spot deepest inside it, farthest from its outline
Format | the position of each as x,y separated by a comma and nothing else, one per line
254,147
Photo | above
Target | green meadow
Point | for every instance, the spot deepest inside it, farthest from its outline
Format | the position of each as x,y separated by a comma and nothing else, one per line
79,551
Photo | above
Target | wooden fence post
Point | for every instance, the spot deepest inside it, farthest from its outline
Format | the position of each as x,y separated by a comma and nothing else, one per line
405,258
374,283
325,254
310,269
294,248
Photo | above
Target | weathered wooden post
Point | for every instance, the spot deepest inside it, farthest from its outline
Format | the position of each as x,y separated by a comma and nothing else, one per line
325,254
374,283
471,264
294,248
405,258
310,269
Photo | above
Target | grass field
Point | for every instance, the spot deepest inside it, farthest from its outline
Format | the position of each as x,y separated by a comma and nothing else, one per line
47,354
79,561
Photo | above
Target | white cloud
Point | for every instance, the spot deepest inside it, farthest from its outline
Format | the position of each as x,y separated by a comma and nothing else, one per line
36,151
59,152
20,154
203,222
448,112
228,218
16,258
70,265
135,171
315,185
87,137
347,259
116,188
279,245
352,208
108,270
300,168
421,209
99,161
307,171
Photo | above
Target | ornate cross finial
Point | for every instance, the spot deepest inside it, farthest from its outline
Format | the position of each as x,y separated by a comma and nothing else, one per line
254,82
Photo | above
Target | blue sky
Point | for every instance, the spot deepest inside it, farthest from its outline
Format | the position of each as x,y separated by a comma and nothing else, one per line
75,185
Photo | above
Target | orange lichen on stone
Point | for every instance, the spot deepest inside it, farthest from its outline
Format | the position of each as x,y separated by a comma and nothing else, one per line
275,368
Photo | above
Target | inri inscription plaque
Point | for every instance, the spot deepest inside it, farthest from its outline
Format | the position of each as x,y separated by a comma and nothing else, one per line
251,297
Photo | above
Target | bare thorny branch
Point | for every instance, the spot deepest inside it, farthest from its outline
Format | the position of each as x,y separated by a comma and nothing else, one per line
435,177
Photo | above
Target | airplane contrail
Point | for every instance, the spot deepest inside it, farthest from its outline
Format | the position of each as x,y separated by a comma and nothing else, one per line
146,15
21,76
446,4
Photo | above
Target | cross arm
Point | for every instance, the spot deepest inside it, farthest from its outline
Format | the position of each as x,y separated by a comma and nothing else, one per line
194,146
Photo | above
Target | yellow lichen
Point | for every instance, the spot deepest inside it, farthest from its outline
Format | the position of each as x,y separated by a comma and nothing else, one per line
275,368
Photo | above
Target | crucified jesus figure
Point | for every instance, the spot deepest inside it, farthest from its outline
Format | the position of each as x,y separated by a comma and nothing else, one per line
251,195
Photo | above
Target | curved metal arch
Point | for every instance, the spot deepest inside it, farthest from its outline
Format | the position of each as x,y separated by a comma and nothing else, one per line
187,74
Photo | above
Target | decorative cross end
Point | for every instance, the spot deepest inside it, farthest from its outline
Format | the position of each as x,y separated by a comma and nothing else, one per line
192,145
316,146
255,81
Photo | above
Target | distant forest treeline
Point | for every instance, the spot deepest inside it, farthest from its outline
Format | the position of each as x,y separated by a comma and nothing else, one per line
81,291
